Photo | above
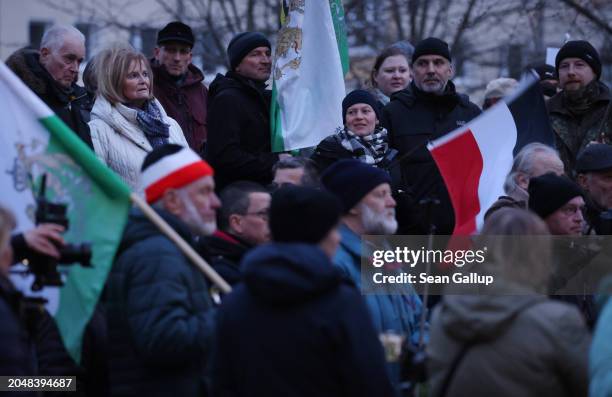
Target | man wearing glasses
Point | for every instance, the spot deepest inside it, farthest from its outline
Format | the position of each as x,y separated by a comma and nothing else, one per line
242,225
178,84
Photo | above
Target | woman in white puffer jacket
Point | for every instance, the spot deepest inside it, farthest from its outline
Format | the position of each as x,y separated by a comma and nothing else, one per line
127,122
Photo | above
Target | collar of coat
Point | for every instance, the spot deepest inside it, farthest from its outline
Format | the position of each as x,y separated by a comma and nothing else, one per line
25,64
193,76
409,96
555,104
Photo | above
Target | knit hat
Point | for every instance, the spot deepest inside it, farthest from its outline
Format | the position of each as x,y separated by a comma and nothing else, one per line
499,88
351,180
549,192
303,214
431,46
580,49
242,44
171,166
545,71
359,96
176,31
593,158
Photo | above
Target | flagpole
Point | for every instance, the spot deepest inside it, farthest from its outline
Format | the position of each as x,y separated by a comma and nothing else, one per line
181,243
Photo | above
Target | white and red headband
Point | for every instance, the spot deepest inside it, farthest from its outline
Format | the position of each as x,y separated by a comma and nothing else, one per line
173,172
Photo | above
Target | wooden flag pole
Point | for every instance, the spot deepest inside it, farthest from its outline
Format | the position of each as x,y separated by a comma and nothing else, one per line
181,244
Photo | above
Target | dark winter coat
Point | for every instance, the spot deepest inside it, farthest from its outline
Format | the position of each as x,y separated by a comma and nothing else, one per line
519,345
71,106
185,101
574,132
239,145
159,315
224,253
413,118
17,350
296,328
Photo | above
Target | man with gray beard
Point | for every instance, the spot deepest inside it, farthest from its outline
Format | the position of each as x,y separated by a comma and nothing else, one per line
160,316
369,209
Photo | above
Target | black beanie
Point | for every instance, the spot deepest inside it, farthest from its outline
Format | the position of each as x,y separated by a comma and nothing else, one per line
242,44
176,31
359,96
549,192
303,214
431,46
580,49
351,180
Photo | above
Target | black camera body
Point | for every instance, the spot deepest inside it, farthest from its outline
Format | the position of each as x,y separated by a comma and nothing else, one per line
44,267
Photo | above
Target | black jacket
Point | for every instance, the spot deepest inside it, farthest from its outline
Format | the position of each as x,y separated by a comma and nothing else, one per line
309,331
159,313
71,106
413,118
17,349
239,145
224,253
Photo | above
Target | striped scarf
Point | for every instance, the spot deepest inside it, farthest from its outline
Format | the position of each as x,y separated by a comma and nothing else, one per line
370,149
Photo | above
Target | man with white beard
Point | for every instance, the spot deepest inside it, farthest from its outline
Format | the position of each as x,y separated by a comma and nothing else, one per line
159,312
369,209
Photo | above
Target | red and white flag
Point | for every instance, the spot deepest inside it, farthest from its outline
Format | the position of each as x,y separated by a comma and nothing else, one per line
475,158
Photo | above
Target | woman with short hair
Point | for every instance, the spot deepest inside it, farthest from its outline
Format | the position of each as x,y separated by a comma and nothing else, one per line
127,122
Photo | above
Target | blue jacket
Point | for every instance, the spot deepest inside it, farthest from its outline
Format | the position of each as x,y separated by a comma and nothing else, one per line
295,327
159,313
399,313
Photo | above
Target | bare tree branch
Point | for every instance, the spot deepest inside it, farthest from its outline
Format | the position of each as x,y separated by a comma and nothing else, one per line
589,15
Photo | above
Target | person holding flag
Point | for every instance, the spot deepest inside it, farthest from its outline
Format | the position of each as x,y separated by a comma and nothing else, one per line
159,312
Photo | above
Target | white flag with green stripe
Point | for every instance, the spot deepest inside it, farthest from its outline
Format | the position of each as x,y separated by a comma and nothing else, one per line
310,62
33,142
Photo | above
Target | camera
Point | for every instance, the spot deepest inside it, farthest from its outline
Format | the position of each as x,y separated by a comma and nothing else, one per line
44,268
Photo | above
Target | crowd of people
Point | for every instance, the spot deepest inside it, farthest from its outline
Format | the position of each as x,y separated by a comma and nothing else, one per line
286,231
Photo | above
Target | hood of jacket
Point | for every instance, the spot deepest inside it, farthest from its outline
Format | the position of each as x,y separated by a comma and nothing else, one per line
193,76
284,274
140,228
469,318
24,63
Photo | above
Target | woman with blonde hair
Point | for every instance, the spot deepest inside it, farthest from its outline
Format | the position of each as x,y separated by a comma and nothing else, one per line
127,122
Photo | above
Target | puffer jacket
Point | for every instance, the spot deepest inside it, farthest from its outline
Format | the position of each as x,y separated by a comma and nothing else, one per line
295,327
120,143
185,101
159,313
515,343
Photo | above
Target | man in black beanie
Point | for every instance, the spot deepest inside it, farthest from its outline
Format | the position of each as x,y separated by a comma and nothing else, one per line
580,113
296,326
559,202
594,174
428,109
238,144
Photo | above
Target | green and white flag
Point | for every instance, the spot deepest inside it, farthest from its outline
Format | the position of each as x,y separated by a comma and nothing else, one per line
310,62
33,142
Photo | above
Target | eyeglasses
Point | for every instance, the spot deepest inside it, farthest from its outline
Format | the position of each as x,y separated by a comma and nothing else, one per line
263,214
